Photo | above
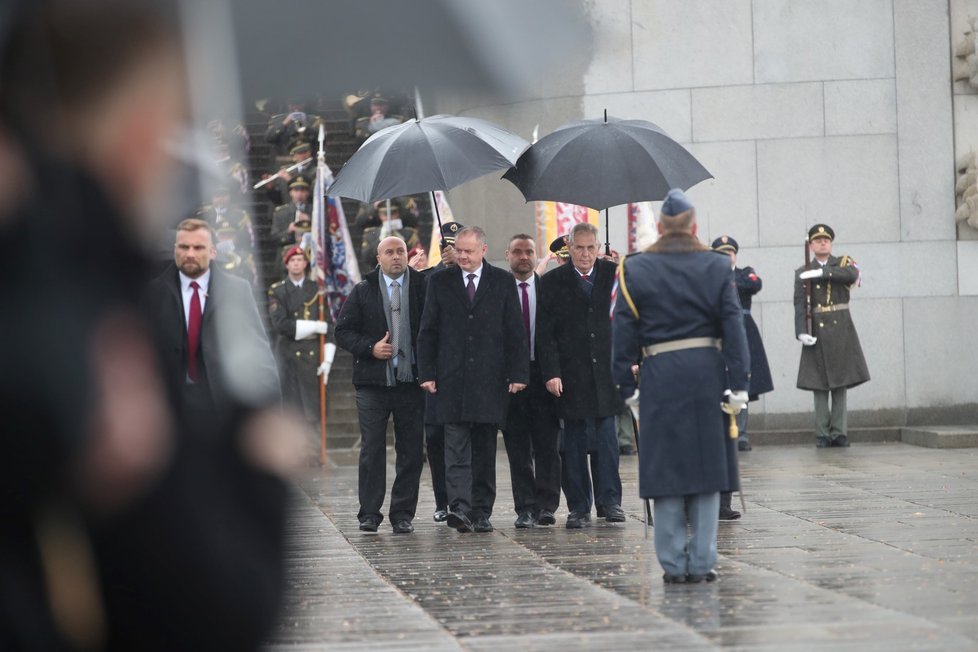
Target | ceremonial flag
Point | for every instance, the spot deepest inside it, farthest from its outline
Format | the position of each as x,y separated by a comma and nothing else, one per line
557,218
445,211
641,226
334,266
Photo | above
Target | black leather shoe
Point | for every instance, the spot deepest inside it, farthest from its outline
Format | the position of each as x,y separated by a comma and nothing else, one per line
482,524
673,579
708,577
840,442
743,443
369,525
578,520
614,514
546,517
524,520
822,442
440,515
459,521
728,514
403,527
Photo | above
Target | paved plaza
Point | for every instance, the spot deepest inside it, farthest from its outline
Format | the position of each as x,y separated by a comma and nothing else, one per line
869,548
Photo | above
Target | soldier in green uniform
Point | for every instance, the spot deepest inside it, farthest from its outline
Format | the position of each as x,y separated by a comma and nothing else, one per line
235,236
831,358
293,309
286,130
390,225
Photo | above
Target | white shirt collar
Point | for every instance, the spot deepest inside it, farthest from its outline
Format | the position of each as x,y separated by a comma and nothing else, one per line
388,280
589,273
478,273
203,281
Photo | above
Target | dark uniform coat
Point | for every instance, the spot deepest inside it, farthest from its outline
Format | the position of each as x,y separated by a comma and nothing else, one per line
472,350
682,291
574,340
281,218
749,284
836,359
298,360
362,323
372,238
285,137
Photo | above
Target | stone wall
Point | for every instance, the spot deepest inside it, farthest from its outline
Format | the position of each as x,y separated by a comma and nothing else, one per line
805,111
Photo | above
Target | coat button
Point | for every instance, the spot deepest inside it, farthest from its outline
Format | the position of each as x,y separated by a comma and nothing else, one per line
592,335
594,360
471,317
821,324
298,353
818,287
471,359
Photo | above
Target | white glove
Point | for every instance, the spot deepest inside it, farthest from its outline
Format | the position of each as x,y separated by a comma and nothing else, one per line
632,402
812,273
307,328
738,400
329,351
807,339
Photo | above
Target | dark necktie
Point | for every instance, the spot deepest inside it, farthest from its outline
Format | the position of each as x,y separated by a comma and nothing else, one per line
587,285
526,313
193,333
395,319
470,288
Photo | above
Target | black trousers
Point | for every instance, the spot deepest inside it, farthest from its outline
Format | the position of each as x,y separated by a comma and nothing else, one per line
375,405
531,436
434,436
470,467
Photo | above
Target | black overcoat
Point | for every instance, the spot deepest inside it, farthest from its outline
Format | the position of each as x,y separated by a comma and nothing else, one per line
836,360
573,340
362,324
472,350
749,284
684,291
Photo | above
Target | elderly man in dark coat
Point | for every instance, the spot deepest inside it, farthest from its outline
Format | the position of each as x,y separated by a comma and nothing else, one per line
677,304
831,359
574,348
473,352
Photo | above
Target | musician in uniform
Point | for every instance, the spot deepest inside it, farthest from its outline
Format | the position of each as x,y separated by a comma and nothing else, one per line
293,310
379,118
235,236
677,306
286,130
831,357
390,224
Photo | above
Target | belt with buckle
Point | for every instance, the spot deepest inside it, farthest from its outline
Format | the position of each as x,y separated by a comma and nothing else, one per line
682,345
833,308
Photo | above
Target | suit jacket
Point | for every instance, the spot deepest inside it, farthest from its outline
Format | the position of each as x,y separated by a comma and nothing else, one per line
472,350
574,341
836,359
362,323
238,364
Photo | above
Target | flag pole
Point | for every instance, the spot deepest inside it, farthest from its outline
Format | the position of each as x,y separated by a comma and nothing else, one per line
322,310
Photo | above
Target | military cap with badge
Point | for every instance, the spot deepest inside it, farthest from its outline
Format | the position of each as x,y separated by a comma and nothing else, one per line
559,247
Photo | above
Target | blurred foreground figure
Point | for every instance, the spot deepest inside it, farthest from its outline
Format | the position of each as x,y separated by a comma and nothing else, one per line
126,521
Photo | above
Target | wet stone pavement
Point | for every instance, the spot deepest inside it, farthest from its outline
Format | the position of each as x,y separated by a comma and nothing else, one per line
869,548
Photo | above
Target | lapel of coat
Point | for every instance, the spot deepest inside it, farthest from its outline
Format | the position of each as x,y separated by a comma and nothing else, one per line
485,284
210,305
457,283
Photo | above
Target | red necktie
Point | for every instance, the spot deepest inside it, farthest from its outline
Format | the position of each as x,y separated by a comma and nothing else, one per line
193,333
526,313
470,288
586,277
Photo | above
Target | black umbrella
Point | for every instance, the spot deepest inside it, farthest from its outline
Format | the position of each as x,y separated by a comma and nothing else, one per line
602,163
436,153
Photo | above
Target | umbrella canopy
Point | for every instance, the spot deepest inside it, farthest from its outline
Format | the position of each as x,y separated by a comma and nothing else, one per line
436,153
601,163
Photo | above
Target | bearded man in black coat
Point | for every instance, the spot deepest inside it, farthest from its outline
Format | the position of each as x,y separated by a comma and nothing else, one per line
473,352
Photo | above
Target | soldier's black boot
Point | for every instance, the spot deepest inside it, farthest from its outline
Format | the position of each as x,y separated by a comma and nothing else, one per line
727,513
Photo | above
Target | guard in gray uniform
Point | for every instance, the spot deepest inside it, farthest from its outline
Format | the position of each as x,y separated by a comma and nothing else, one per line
832,359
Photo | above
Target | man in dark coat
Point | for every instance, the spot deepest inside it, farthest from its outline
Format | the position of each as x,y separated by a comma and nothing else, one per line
473,353
434,432
748,284
293,311
532,428
831,357
379,325
676,304
574,344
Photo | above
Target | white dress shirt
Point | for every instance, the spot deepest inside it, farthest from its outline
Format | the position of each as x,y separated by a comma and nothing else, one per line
478,277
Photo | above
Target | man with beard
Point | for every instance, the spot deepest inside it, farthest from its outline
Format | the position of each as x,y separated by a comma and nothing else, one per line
532,429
